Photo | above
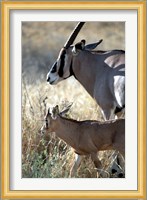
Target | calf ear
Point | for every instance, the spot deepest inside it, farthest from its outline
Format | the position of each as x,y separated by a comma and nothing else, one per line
55,112
48,112
65,110
78,47
57,109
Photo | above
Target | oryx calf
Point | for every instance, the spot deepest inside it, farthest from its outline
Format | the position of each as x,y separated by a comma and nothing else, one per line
102,73
86,137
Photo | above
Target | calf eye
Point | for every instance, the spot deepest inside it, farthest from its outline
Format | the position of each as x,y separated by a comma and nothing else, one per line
46,123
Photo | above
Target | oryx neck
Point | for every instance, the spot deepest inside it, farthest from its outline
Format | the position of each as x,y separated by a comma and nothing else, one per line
71,72
85,71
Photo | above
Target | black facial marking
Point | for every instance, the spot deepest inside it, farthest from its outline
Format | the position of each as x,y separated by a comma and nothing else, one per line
54,69
62,62
71,72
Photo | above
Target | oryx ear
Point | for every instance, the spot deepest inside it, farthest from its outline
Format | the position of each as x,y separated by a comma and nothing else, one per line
55,112
78,47
93,45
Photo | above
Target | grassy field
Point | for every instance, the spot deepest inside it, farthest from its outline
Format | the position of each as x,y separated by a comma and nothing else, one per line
47,156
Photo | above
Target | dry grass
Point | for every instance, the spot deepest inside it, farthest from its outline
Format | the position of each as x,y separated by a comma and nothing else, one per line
47,156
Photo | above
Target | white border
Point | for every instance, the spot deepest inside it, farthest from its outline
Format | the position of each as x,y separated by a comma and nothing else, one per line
128,183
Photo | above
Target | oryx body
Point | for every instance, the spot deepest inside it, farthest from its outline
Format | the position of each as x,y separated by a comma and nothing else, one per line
102,73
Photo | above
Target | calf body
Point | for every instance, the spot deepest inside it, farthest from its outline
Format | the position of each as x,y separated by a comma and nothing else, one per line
87,137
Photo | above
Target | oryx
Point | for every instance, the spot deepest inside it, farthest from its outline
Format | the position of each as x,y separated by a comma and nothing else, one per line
102,73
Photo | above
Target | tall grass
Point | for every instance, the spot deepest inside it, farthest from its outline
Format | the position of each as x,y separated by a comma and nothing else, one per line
46,155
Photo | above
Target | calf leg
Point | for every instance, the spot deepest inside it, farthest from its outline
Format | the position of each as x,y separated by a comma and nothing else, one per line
96,162
120,146
121,161
76,165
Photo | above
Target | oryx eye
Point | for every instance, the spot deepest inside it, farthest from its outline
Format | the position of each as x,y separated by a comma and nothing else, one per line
54,69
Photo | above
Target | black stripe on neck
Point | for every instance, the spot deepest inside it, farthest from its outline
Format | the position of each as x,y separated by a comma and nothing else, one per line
71,72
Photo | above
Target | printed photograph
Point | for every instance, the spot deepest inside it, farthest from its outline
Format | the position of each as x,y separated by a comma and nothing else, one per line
73,99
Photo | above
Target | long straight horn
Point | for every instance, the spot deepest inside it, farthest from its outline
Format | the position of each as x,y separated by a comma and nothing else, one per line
73,35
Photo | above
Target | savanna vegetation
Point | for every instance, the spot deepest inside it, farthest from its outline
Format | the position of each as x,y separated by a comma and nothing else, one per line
46,156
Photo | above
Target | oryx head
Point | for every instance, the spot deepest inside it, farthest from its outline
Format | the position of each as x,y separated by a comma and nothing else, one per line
57,71
62,68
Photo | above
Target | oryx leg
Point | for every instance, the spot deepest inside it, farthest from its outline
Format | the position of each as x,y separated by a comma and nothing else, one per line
121,161
108,114
76,164
121,113
119,92
121,155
